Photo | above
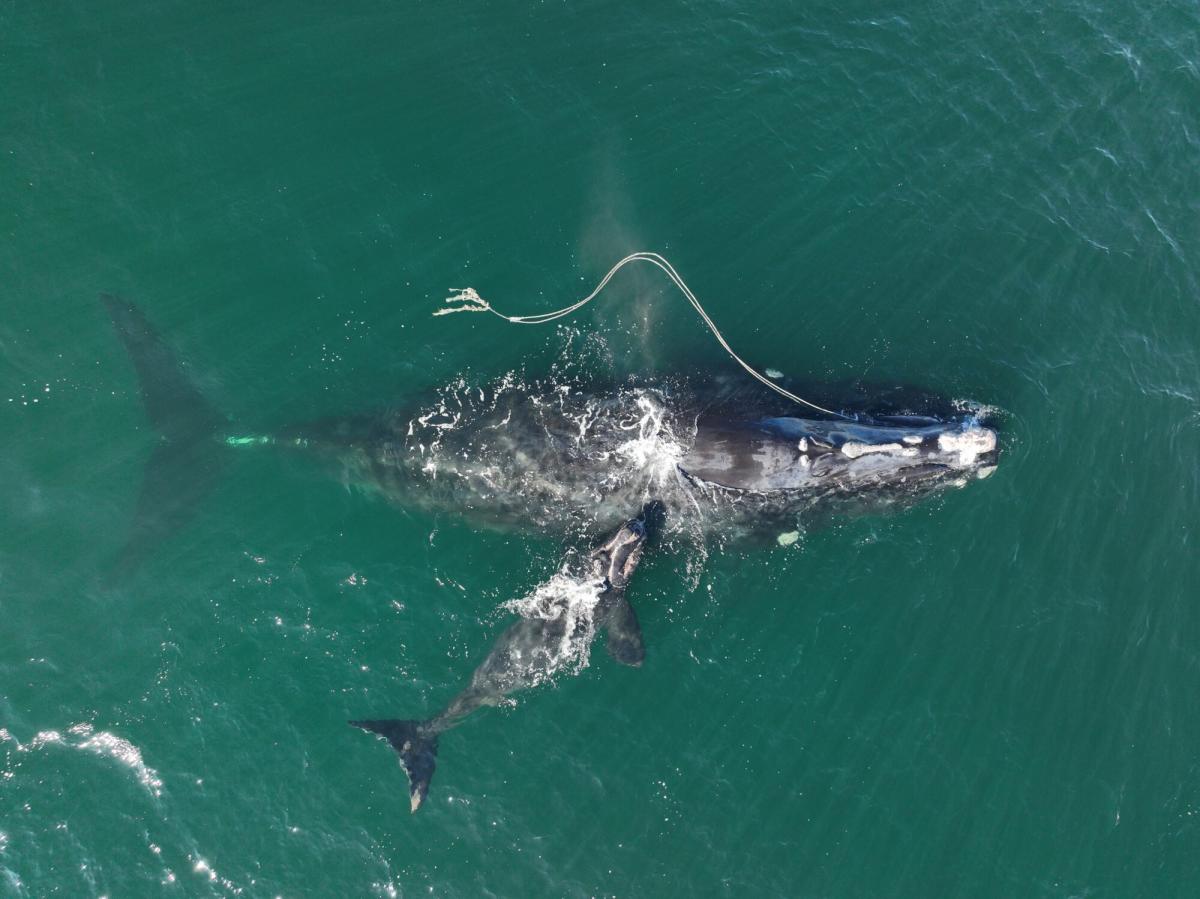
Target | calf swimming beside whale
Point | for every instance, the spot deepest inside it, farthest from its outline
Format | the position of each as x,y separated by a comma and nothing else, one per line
530,651
560,458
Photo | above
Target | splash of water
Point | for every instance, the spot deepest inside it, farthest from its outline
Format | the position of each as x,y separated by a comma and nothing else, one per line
601,457
103,743
569,600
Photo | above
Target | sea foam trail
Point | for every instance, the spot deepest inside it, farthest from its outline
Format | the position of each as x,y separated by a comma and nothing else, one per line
102,743
570,601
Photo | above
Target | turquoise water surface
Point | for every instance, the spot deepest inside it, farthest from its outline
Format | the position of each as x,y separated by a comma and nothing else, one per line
991,694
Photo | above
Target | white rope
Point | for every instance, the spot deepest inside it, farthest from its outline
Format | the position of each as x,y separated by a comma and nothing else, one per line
468,300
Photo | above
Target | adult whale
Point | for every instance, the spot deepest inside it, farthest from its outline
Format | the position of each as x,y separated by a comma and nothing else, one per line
555,456
559,457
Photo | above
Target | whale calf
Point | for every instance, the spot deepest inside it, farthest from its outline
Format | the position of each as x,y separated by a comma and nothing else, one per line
531,650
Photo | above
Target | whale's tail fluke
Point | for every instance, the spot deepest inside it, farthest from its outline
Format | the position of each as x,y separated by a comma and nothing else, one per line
417,747
184,466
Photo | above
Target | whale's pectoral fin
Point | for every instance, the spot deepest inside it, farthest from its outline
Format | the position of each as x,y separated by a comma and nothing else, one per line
184,465
617,560
623,634
417,748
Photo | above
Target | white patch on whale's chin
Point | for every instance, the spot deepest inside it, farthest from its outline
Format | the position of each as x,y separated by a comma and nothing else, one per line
968,445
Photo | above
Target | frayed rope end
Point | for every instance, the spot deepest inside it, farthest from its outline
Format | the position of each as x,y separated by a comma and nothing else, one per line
468,300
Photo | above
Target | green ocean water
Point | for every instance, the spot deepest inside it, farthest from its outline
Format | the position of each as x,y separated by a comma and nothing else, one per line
992,694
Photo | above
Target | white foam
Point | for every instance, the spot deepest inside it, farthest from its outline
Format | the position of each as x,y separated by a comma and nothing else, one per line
978,411
117,748
102,743
572,601
654,450
41,738
204,869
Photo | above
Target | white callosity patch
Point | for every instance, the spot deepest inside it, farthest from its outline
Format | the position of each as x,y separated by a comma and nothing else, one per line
967,445
854,450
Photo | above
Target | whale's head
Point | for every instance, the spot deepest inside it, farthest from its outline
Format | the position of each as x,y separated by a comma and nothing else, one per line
617,558
882,455
907,454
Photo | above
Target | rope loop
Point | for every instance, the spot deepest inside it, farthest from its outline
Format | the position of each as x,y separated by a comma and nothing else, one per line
468,300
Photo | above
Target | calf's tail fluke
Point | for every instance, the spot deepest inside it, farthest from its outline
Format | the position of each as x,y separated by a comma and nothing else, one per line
417,747
183,467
